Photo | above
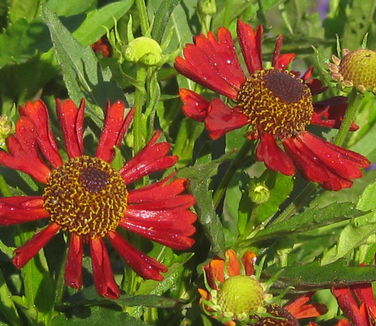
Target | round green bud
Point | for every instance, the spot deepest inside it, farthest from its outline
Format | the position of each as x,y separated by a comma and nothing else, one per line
207,7
145,50
259,193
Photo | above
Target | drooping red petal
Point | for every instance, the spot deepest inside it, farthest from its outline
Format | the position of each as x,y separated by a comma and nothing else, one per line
71,120
37,112
248,260
330,113
194,105
212,63
300,309
147,267
151,159
102,272
339,162
364,293
73,264
281,61
273,156
311,167
115,126
250,43
28,250
222,119
157,191
14,210
23,151
347,303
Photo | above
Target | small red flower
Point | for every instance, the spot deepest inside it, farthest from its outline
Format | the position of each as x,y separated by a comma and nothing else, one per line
90,200
357,302
219,271
102,46
275,103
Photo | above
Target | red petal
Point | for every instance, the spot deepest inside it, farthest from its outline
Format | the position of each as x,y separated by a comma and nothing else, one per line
22,150
102,272
222,119
311,167
214,271
14,210
233,263
273,156
330,113
250,43
364,293
114,129
141,263
315,85
281,61
157,191
151,159
249,259
182,202
299,309
173,238
71,121
195,106
37,112
28,250
73,265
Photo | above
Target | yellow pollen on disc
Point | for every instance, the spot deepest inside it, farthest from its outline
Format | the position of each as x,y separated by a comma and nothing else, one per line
86,196
276,102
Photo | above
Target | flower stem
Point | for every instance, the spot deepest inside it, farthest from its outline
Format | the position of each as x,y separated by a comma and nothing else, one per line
139,134
220,192
143,15
60,282
354,101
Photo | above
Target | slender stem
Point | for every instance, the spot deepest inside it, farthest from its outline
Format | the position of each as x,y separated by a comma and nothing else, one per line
354,101
143,15
139,135
219,193
60,282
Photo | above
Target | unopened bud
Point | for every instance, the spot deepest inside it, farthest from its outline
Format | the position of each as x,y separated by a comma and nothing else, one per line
145,50
259,193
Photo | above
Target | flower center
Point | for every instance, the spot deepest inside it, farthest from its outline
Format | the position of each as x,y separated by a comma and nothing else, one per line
240,295
86,196
276,102
359,67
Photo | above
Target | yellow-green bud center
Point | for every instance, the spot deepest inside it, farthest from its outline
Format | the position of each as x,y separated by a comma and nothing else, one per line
145,50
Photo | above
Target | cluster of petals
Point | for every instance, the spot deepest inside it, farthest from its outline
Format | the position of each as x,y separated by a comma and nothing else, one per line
159,211
218,270
213,63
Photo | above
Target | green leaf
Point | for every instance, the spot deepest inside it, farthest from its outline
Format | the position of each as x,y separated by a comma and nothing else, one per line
7,306
162,17
98,316
70,7
310,219
23,9
313,276
82,75
98,21
21,41
199,176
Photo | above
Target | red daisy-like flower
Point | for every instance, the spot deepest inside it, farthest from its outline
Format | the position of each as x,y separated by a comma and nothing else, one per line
357,301
276,103
233,293
90,200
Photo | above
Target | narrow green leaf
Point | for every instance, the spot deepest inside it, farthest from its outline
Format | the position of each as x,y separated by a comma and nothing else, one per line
162,17
98,21
70,7
7,306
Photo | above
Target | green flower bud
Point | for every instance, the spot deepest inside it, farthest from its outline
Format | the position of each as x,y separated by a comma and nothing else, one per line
144,50
207,7
5,130
259,193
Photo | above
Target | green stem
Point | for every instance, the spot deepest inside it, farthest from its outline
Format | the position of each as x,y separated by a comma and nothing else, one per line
354,101
139,100
219,193
60,282
143,15
228,12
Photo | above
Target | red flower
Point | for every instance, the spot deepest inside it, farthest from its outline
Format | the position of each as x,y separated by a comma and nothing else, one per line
102,46
357,302
89,199
276,104
219,271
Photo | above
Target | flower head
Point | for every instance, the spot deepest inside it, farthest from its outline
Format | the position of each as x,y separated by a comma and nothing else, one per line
356,69
89,199
234,294
276,104
102,46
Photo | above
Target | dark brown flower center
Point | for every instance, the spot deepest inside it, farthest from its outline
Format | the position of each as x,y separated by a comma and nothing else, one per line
276,102
284,318
86,196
